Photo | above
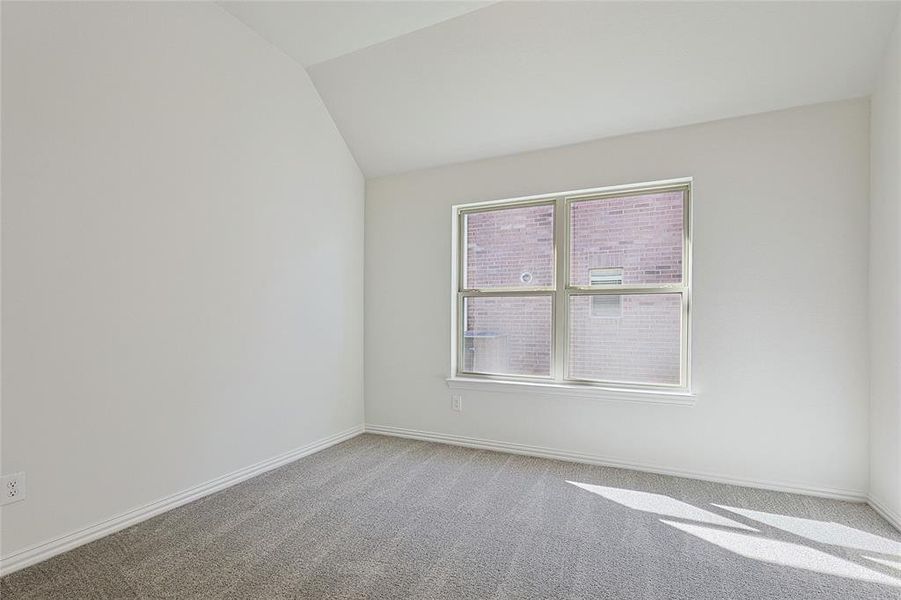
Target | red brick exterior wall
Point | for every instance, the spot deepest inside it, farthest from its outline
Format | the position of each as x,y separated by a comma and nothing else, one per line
641,234
509,335
501,245
640,347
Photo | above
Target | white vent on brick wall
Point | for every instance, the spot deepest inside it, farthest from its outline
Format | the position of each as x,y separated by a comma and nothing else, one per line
607,307
605,276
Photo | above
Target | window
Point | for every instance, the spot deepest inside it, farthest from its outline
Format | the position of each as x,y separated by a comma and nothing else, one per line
587,288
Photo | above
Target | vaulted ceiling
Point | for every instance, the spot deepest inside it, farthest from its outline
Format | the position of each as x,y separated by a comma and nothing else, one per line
420,84
313,32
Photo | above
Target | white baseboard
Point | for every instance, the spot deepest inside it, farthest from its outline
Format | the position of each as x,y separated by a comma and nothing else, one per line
883,510
43,551
40,552
458,440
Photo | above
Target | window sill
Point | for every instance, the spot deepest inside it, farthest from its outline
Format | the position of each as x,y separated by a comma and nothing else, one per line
678,397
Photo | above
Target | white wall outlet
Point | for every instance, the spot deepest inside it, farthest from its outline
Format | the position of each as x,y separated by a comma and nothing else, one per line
457,403
12,488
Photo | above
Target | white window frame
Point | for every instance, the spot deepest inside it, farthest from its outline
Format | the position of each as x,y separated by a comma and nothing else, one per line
562,292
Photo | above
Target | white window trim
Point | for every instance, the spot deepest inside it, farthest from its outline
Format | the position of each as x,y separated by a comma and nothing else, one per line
557,384
593,391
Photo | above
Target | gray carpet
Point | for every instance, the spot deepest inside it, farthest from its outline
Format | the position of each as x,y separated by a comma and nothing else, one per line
382,518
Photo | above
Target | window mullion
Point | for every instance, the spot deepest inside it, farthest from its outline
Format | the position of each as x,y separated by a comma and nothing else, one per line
561,269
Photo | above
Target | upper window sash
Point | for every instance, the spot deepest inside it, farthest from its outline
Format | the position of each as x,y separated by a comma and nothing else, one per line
582,282
544,280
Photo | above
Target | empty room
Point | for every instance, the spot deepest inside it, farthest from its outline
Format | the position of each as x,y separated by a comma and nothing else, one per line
450,300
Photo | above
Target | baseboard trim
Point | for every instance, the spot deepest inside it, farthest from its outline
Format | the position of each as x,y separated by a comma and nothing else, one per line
40,552
470,442
882,508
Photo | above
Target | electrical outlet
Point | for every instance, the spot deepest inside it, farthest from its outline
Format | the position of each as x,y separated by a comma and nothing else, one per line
457,403
12,488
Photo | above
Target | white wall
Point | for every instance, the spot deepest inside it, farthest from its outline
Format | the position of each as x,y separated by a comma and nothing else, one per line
885,285
780,301
182,258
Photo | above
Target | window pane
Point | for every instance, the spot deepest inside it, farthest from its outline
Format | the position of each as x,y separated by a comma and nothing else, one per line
509,335
632,338
513,247
629,240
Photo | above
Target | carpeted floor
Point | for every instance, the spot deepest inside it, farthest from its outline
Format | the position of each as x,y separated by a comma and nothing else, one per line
381,518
